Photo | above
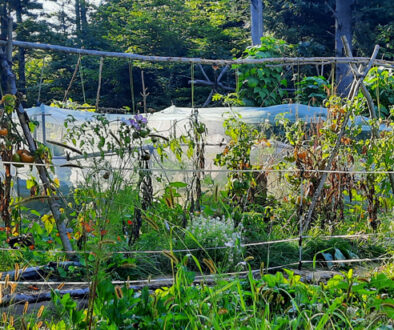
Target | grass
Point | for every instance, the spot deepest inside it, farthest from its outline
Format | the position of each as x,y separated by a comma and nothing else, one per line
276,301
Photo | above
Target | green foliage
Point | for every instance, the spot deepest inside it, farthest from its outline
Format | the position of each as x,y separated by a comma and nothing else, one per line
274,300
312,90
303,23
242,187
260,85
380,84
211,29
373,24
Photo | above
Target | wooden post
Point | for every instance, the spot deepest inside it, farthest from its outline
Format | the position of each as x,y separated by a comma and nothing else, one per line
348,53
99,83
144,93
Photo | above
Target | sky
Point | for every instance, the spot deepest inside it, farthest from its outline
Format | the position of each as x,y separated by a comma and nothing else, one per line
50,6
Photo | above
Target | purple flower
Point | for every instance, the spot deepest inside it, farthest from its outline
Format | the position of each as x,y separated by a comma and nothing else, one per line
137,123
141,119
134,124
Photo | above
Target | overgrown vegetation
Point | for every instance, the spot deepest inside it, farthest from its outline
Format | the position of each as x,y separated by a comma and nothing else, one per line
195,237
202,226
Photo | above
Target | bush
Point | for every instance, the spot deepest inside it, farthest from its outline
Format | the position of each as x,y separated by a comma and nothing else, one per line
312,90
380,83
260,85
215,232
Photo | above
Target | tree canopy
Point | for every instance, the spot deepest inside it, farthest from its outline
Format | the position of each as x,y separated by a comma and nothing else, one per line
194,28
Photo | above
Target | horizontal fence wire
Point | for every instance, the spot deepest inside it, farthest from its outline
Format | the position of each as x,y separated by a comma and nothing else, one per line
70,165
355,236
167,281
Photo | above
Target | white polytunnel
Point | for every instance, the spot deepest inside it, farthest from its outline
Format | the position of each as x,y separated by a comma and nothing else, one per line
173,120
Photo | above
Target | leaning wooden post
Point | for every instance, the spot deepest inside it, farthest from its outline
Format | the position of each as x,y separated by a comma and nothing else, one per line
24,121
352,95
364,90
371,106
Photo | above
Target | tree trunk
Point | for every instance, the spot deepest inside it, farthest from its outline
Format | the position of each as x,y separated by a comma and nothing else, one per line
3,36
343,27
21,54
63,18
78,18
4,21
84,19
256,14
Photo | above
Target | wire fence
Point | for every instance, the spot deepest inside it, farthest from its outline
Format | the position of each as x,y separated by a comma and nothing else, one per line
259,169
241,245
183,170
198,278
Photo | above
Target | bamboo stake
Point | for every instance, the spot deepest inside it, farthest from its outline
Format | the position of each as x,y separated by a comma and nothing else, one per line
99,82
72,80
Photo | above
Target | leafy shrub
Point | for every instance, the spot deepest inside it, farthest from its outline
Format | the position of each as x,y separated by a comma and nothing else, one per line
242,187
261,85
380,84
312,90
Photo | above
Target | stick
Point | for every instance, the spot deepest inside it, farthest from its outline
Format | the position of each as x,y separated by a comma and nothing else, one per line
63,145
72,80
99,83
356,73
203,72
144,93
284,60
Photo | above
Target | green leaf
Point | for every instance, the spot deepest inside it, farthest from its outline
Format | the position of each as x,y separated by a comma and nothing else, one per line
32,125
30,183
252,82
34,212
36,228
178,184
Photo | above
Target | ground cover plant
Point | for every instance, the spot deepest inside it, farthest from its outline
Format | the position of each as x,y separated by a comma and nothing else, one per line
275,301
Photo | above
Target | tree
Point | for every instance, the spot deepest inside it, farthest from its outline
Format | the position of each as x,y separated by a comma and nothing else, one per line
343,27
374,24
195,28
256,18
3,36
23,11
306,24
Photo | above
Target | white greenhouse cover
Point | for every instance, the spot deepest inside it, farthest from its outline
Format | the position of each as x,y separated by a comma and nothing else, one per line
175,120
